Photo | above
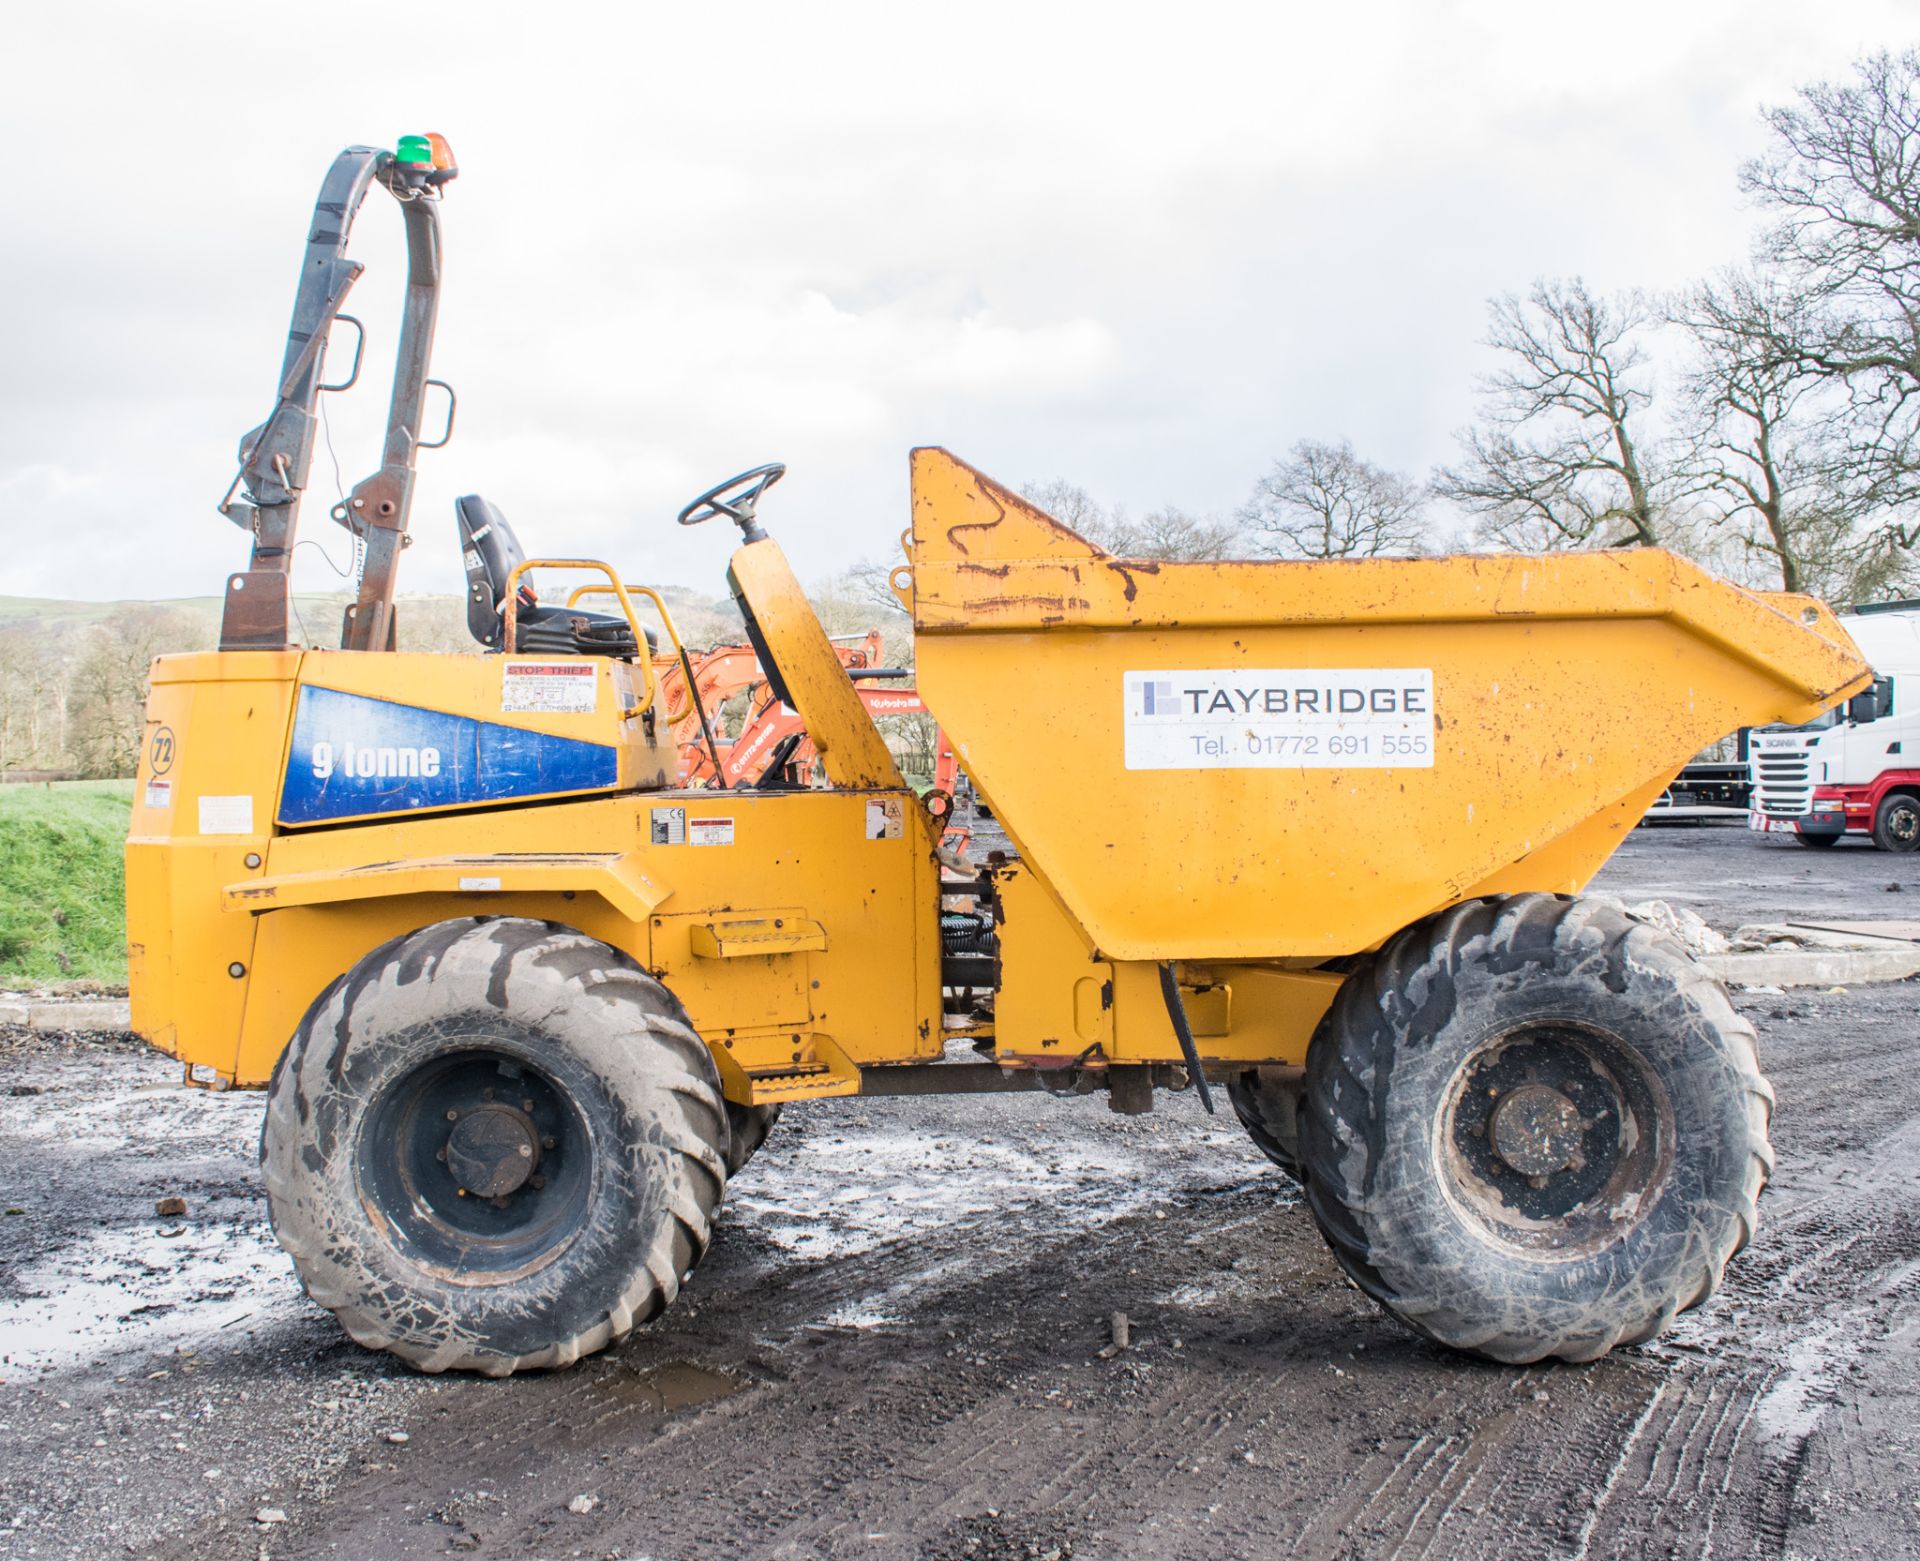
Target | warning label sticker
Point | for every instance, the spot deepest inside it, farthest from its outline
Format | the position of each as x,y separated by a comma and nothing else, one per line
549,687
710,832
669,827
886,819
159,794
1314,718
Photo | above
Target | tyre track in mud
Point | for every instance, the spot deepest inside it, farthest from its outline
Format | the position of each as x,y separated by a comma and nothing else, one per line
1293,1417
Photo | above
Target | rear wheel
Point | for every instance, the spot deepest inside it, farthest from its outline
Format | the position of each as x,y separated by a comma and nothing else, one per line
748,1127
1267,1101
1896,823
1534,1127
494,1145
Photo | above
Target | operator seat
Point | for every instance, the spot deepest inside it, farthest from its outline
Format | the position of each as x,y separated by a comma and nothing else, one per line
492,553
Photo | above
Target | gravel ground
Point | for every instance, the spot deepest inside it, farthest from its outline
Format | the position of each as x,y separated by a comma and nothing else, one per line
892,1350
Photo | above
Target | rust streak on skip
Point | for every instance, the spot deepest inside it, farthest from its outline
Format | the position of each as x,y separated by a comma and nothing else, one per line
1000,514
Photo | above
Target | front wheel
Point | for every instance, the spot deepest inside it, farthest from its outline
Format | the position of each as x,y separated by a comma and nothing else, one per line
1534,1127
494,1145
1896,823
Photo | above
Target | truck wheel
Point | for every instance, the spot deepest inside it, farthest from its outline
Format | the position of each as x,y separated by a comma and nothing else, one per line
1267,1101
494,1145
1820,841
748,1127
1896,822
1534,1126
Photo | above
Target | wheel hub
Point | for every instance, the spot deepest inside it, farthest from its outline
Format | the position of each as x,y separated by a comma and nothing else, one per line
1536,1130
1556,1137
493,1150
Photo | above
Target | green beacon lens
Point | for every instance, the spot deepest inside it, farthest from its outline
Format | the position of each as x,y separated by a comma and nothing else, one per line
413,149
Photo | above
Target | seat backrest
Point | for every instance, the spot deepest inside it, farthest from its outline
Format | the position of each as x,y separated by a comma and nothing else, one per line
492,552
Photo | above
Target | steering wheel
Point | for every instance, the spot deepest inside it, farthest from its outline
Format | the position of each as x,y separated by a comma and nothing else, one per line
737,506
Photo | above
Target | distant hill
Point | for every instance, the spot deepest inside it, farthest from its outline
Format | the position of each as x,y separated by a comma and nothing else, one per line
435,622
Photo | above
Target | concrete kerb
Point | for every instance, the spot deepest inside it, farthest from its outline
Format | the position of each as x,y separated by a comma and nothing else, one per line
90,1014
1816,967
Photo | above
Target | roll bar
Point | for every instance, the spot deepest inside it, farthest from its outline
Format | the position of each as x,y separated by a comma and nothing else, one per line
276,457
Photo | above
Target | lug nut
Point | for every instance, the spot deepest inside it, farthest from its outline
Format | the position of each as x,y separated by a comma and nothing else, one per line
549,1142
440,1155
536,1182
453,1116
526,1151
527,1106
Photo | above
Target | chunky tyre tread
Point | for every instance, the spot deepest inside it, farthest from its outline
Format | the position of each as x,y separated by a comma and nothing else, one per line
748,1127
1409,986
692,1126
1256,1105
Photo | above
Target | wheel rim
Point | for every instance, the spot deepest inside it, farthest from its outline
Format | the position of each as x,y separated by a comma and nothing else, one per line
479,1165
1903,825
1556,1139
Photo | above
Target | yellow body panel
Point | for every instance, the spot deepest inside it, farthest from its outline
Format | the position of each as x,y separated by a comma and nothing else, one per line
870,994
202,807
849,745
1566,691
1061,1003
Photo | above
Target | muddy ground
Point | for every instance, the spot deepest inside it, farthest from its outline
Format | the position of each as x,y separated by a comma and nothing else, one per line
891,1351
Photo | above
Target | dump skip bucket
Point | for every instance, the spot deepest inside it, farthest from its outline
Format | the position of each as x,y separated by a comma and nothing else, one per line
1273,759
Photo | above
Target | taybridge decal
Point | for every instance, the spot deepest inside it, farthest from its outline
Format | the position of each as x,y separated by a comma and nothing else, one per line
352,755
1279,718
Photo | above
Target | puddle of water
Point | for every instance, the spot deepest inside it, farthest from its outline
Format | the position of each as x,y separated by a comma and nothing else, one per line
675,1386
825,1199
136,1289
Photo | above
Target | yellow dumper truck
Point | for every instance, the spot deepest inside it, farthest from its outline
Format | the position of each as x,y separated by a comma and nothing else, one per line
1311,832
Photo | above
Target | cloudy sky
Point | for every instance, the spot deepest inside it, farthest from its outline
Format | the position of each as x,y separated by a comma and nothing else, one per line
1145,248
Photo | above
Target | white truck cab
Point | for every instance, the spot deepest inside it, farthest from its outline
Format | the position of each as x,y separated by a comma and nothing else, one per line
1856,769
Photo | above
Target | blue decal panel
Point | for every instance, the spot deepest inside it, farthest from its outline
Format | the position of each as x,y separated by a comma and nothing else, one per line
353,755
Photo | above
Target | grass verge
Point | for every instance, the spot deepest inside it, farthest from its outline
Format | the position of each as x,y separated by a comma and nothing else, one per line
63,882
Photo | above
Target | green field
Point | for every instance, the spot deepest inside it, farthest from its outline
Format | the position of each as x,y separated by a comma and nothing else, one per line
62,884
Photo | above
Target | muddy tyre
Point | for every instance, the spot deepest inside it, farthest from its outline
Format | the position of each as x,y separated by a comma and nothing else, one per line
1267,1101
494,1145
748,1127
1534,1127
1896,823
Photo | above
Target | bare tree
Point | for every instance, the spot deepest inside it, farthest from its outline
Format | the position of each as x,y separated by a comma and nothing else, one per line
1558,458
850,604
33,701
1843,178
1166,533
1324,501
108,691
1072,506
1762,450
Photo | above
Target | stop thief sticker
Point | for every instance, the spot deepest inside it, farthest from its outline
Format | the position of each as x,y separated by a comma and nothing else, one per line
549,687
